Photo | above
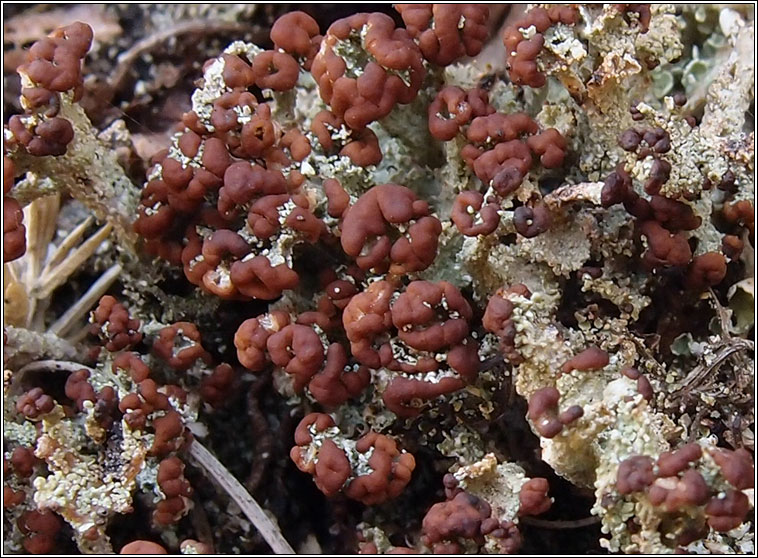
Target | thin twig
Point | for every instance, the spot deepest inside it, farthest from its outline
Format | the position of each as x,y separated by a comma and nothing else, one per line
68,243
127,58
85,302
55,365
79,335
266,527
43,216
51,279
560,523
702,371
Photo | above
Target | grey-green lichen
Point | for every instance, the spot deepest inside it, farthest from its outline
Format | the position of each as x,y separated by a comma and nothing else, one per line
77,486
92,474
498,483
89,171
654,532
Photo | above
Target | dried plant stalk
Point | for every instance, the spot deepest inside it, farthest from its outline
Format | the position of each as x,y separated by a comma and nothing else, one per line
252,510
